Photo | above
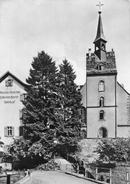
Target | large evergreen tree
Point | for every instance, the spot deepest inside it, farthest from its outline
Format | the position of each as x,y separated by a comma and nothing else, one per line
68,132
38,114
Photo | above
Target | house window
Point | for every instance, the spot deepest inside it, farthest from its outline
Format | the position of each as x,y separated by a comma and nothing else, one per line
101,115
101,86
9,131
101,102
23,97
9,83
103,133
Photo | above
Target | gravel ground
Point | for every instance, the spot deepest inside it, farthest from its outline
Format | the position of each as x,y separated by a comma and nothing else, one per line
54,177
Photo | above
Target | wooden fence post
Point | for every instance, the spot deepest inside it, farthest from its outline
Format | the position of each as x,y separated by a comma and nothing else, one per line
110,176
8,178
96,173
85,173
127,177
78,169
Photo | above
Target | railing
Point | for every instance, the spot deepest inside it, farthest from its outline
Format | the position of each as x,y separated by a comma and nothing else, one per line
106,175
11,177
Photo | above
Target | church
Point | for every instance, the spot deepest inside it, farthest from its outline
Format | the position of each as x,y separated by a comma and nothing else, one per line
106,104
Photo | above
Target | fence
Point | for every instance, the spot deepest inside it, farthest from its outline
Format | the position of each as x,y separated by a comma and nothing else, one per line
117,175
11,177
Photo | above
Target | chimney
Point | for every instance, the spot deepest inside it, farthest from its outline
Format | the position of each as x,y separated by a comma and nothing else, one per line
89,52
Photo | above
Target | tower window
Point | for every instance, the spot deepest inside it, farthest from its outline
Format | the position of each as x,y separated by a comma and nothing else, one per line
101,86
103,46
101,115
82,113
101,102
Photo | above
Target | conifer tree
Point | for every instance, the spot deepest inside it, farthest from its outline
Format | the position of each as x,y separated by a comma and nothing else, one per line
68,132
38,114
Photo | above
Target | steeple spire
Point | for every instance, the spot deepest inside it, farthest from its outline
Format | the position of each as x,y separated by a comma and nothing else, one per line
100,33
100,41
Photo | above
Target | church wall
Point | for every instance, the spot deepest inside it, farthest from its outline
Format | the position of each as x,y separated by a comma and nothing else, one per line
123,131
94,123
94,94
83,92
123,112
93,97
10,106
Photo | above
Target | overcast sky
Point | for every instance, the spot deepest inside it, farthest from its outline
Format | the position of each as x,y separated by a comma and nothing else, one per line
63,29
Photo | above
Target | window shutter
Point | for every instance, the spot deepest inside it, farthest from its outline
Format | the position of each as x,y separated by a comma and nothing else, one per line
20,130
5,132
12,131
21,97
20,113
25,96
6,83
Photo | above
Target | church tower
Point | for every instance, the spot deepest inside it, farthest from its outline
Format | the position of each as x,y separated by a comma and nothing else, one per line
101,80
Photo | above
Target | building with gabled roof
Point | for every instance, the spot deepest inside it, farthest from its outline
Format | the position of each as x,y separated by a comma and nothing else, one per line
12,93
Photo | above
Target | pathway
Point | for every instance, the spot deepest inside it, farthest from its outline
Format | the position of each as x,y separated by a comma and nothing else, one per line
55,177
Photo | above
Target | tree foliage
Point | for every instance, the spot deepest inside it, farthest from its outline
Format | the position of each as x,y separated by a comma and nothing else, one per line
51,111
70,103
114,150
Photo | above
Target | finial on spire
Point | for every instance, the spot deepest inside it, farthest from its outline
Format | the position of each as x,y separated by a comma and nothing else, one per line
100,5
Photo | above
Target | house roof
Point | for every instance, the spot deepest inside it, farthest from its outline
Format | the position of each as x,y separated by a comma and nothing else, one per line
14,77
123,88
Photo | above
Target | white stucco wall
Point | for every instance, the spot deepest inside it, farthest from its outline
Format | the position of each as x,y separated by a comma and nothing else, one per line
123,112
10,106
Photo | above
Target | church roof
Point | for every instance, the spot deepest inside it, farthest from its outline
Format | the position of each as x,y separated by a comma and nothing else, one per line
100,33
109,66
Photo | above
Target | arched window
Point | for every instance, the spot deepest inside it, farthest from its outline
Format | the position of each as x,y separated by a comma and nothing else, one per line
101,86
103,47
101,115
102,133
101,101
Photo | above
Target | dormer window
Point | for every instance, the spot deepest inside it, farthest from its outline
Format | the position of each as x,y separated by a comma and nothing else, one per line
100,67
9,83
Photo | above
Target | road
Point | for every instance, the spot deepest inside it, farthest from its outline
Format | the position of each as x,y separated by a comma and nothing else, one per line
55,177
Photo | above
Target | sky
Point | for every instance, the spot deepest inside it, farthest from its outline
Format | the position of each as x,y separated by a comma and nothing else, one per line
63,29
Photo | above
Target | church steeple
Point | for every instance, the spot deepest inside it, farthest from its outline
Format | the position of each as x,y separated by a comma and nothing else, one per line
100,41
101,61
100,33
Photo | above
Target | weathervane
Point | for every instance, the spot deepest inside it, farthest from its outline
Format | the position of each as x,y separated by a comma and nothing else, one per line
100,5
